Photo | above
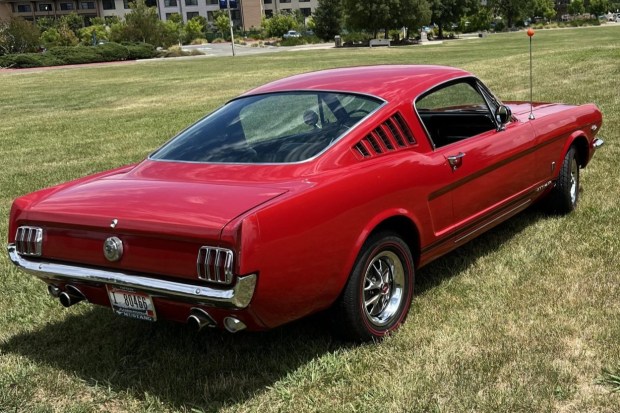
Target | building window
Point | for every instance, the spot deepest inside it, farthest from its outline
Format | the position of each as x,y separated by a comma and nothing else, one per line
304,1
285,1
45,7
306,11
192,14
66,6
87,5
23,8
268,13
235,14
213,2
125,4
109,4
191,2
210,16
267,1
170,3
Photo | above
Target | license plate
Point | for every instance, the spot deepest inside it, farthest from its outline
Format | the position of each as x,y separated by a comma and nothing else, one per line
132,304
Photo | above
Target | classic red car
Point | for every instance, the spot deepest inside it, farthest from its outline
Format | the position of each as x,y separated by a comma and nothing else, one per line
325,190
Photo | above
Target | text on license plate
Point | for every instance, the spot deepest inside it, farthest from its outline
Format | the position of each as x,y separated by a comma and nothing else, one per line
132,304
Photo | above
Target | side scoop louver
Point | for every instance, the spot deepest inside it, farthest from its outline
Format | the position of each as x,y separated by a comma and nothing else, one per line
391,135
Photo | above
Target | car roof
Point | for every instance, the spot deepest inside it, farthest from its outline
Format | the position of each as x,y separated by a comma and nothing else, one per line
385,81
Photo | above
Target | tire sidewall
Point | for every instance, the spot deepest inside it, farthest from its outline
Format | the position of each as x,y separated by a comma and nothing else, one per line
397,246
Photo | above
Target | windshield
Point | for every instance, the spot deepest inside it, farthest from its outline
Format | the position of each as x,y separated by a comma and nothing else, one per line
271,128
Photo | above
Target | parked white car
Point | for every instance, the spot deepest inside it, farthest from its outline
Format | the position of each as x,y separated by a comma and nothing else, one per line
291,34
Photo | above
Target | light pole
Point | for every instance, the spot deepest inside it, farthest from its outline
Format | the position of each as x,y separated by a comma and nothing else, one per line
232,35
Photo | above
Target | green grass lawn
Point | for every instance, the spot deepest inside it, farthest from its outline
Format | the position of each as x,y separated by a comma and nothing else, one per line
523,319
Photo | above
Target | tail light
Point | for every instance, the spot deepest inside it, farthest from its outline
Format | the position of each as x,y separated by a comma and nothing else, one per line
215,265
29,241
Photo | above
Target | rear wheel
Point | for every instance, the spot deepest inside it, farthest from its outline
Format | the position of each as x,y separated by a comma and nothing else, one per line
564,196
378,294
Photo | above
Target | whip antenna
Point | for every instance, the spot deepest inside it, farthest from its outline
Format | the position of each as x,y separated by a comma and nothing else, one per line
530,33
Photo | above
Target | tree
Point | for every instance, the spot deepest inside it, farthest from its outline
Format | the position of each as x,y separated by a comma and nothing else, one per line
327,19
192,30
445,12
576,7
18,36
279,24
95,32
73,21
370,15
143,23
598,7
412,14
544,8
511,10
222,22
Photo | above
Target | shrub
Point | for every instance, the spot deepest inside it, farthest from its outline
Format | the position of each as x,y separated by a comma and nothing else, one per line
76,55
356,38
25,60
218,40
200,40
293,41
111,52
140,51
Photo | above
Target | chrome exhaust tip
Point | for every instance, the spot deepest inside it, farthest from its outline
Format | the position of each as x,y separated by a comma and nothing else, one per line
70,297
199,319
233,325
53,290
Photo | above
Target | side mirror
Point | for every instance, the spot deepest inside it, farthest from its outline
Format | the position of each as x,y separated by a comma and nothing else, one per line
502,115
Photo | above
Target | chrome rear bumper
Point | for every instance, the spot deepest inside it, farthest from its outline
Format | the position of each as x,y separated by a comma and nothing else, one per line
239,296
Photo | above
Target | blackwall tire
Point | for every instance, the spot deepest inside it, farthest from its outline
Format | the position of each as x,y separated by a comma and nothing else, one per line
378,294
564,197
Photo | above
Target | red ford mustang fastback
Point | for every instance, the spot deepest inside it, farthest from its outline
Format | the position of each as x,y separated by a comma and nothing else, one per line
323,190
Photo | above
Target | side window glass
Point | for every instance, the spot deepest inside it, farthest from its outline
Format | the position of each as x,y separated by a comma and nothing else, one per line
453,113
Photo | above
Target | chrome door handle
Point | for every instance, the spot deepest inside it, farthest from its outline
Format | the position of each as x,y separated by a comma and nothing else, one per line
456,161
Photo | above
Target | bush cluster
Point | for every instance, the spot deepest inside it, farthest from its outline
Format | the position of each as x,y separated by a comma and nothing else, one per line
71,55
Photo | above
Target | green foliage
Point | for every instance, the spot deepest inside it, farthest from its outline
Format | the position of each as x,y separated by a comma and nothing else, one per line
446,12
481,20
511,10
576,7
193,29
142,24
279,24
171,32
293,41
73,21
99,31
543,8
45,23
328,19
112,52
598,7
140,51
18,36
98,21
222,22
611,378
375,15
26,60
50,37
75,55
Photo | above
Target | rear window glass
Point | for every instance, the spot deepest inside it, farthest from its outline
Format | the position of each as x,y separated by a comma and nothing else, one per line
271,128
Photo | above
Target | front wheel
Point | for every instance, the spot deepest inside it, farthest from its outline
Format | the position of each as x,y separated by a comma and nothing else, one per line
564,196
378,294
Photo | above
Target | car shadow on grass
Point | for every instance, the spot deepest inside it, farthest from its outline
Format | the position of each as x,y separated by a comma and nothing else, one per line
213,369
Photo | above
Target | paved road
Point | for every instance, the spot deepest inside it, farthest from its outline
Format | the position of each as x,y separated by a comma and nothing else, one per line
225,49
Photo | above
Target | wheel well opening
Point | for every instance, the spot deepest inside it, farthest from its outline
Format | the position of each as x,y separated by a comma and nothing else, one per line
407,230
581,148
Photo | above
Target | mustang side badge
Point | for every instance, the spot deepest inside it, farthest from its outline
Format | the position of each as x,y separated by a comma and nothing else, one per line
113,249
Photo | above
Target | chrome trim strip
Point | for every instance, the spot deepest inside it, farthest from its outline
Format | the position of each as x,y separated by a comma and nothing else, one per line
239,296
597,143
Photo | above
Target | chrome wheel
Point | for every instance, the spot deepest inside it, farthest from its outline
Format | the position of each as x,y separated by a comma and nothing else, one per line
574,181
384,281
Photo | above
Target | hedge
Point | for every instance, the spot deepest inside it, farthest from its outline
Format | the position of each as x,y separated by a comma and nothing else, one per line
70,55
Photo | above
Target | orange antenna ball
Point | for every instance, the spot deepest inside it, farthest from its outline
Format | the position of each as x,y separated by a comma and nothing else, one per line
530,32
